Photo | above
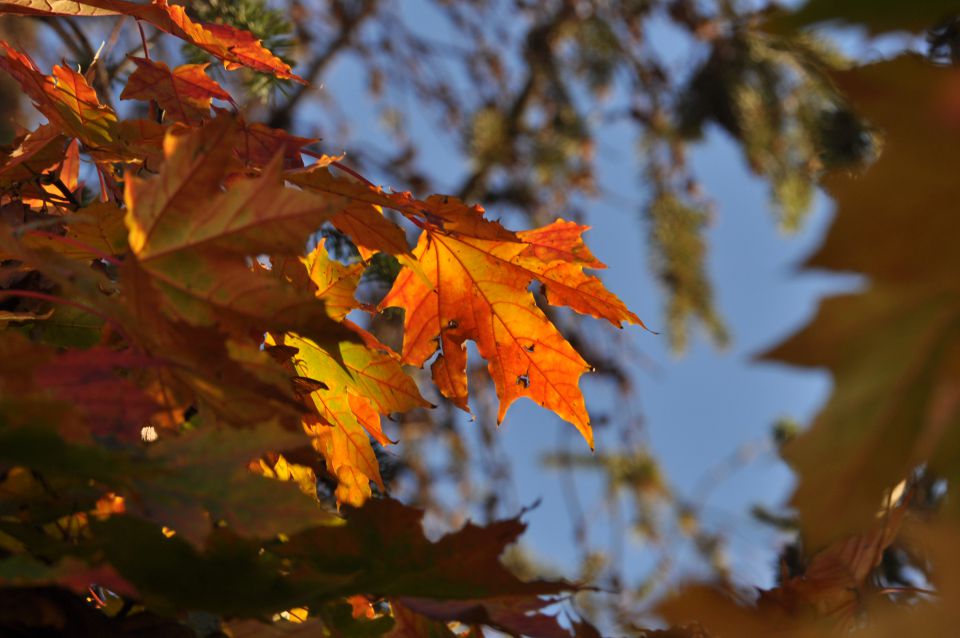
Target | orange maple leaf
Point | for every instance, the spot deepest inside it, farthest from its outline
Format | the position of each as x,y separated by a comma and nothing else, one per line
257,144
363,219
65,98
184,93
336,283
235,47
479,281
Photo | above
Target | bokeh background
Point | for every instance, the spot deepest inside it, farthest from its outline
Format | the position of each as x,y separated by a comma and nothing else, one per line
689,137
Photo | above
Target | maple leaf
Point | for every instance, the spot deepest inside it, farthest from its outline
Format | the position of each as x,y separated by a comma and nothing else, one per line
96,231
185,93
479,292
257,145
372,233
202,478
87,380
341,434
362,220
832,581
281,469
360,381
383,547
335,283
235,47
370,372
556,256
230,380
827,597
377,372
198,257
464,283
141,144
62,192
32,155
58,7
102,402
199,365
65,98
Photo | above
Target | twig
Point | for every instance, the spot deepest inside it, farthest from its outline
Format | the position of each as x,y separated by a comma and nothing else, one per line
70,197
280,117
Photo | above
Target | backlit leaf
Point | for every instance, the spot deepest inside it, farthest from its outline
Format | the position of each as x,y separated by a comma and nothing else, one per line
199,258
184,93
479,293
336,283
65,98
340,436
235,47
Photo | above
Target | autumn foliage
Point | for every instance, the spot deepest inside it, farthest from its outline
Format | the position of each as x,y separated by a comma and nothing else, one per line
180,361
183,361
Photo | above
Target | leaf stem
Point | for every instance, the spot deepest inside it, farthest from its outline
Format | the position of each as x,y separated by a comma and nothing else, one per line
70,197
350,171
143,39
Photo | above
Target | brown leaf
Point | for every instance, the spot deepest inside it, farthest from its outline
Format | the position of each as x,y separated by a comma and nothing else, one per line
892,348
185,93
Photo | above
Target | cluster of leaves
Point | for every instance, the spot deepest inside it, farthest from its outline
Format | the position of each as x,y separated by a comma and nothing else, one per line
533,96
180,373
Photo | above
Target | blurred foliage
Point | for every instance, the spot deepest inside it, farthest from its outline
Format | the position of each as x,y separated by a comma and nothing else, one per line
526,91
678,248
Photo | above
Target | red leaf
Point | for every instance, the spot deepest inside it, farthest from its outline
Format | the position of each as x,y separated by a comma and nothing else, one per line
183,93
